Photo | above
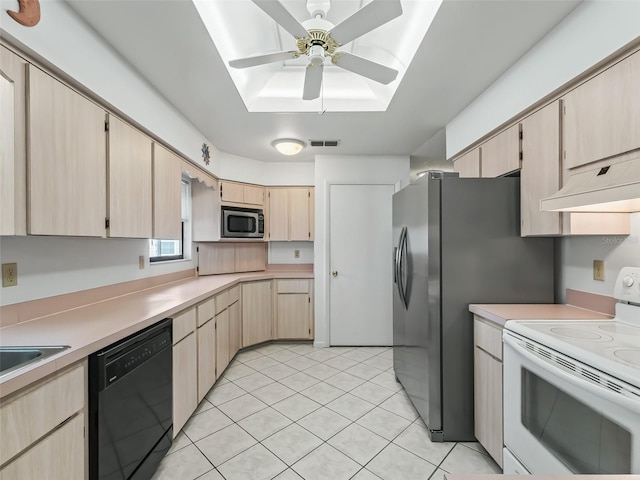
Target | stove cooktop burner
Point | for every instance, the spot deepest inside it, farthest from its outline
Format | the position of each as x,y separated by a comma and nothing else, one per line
579,334
629,355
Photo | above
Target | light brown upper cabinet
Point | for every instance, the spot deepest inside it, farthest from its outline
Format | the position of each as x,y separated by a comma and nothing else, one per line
66,161
13,147
540,174
468,165
242,193
602,116
501,154
290,213
129,157
205,212
167,194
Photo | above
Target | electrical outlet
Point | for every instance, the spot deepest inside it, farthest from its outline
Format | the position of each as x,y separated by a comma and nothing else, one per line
296,254
9,274
598,270
141,262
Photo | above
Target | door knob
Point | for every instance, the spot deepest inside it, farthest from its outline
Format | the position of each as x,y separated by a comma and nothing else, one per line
334,273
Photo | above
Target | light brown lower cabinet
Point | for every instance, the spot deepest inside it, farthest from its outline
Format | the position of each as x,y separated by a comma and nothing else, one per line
294,309
185,368
235,328
43,428
222,341
207,348
256,312
487,357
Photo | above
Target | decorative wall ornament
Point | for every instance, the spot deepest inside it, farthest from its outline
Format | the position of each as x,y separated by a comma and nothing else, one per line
29,14
206,154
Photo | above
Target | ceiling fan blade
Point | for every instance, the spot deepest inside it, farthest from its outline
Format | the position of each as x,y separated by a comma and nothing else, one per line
365,67
369,17
262,59
281,15
312,81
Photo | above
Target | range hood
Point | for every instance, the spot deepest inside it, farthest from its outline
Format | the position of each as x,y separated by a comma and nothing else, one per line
614,188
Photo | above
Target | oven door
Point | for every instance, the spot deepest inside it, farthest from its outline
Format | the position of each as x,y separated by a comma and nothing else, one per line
556,421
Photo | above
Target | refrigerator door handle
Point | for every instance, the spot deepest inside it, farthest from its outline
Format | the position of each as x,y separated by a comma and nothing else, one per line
402,250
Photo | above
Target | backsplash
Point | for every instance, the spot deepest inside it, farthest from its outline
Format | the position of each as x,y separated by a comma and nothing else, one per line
576,256
285,252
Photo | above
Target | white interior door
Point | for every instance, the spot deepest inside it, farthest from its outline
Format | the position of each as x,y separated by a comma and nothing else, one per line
360,259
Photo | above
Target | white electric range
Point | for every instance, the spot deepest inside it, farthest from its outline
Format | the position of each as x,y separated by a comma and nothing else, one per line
572,391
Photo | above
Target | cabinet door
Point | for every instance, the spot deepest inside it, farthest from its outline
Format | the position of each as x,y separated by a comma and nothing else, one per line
58,455
468,165
206,358
602,116
278,214
167,194
256,312
205,212
540,174
250,257
299,228
67,160
235,329
185,381
488,403
222,341
253,195
13,147
129,181
501,154
294,315
232,192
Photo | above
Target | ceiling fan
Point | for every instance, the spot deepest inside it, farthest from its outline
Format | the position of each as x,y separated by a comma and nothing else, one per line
318,39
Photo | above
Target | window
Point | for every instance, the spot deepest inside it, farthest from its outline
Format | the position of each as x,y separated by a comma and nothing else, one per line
164,250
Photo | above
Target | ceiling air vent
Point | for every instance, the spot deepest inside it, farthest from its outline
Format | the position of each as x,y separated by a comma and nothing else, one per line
324,143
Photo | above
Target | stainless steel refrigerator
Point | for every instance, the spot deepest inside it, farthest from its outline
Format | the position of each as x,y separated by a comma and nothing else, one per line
457,242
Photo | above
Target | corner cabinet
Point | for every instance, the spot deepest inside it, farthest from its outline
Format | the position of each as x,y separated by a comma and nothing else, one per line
487,356
66,160
290,213
256,312
294,309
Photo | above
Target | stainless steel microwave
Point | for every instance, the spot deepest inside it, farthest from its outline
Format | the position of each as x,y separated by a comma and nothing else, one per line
240,222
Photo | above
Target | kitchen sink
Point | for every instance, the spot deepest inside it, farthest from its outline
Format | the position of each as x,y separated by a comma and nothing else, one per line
13,358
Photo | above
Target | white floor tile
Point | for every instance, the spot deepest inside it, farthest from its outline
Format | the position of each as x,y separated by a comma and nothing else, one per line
394,463
321,354
242,407
238,371
438,474
253,382
179,442
384,423
211,475
299,381
292,443
358,355
255,463
248,355
344,381
326,463
270,348
322,393
296,406
261,363
372,393
188,463
416,440
278,372
341,362
264,423
358,443
387,380
364,371
203,406
350,406
273,393
223,393
302,349
284,355
324,423
200,426
301,363
225,444
321,371
400,405
380,362
365,474
288,474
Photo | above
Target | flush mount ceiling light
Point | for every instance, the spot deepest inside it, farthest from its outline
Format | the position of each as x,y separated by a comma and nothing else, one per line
288,146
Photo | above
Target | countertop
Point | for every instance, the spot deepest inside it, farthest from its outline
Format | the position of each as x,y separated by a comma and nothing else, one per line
92,327
502,313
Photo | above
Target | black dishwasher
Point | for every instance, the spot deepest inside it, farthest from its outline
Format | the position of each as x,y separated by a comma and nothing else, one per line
130,405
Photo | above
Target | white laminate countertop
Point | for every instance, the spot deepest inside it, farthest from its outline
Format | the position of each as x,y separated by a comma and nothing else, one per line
502,313
92,327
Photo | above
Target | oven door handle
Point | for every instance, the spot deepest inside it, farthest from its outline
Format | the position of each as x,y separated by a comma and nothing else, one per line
618,399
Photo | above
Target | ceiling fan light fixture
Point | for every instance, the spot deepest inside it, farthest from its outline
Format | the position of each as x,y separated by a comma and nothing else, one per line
288,146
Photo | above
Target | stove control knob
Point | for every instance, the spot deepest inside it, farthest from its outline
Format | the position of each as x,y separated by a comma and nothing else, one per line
628,281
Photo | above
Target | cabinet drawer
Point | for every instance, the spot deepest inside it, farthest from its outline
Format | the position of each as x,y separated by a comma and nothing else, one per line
234,294
487,336
206,311
222,301
32,415
183,324
293,286
59,455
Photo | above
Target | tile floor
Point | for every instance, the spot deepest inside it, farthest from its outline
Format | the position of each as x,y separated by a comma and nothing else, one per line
291,411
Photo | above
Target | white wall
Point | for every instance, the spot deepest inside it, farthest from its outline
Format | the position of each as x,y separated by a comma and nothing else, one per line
578,253
594,30
284,252
356,169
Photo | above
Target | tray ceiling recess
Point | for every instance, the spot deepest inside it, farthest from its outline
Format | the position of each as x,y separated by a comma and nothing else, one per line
318,56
